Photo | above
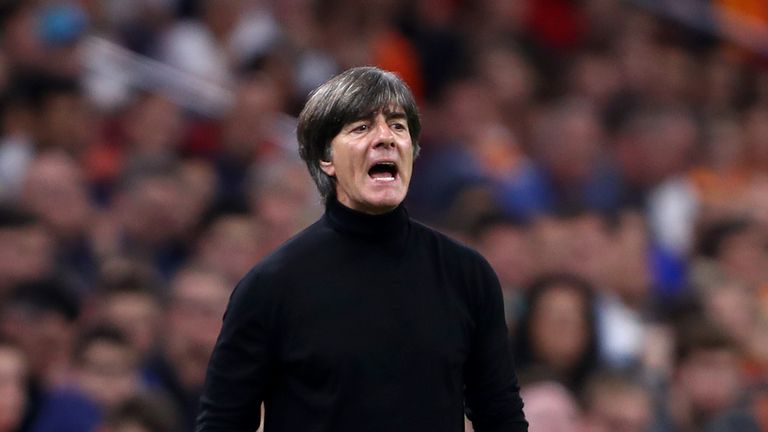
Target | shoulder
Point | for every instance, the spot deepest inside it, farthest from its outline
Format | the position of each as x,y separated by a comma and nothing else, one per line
301,249
460,262
465,267
285,263
66,410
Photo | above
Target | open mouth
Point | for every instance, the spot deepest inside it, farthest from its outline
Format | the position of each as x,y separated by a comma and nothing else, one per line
383,171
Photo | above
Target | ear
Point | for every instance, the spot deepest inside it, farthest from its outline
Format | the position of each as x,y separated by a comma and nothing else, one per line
328,168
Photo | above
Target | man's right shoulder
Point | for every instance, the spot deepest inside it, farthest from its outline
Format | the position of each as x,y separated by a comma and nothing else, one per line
262,290
289,258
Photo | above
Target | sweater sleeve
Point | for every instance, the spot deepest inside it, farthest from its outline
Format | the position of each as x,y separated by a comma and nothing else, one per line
492,394
238,371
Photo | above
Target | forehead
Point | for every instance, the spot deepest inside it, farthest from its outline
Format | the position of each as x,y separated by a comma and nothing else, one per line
104,347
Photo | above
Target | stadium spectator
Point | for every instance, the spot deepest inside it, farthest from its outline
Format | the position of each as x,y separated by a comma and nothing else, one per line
557,331
616,401
551,407
708,387
197,300
26,249
41,317
105,373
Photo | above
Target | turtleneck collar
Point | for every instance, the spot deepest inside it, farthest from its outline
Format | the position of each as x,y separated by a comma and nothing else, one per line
389,225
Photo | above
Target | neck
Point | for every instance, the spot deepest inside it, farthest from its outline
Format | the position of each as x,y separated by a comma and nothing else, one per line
384,226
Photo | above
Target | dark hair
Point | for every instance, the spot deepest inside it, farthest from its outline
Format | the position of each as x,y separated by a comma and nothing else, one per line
613,382
8,10
39,89
344,98
47,296
129,277
135,174
15,218
152,412
101,333
485,223
697,333
713,237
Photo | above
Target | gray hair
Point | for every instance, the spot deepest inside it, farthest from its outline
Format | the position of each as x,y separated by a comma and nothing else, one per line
347,97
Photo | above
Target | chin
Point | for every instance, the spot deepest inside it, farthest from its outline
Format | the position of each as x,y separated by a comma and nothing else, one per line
383,204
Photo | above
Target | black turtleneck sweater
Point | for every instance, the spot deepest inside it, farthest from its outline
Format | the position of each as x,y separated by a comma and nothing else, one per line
364,323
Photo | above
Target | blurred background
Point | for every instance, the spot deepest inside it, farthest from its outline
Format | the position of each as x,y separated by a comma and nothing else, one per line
608,157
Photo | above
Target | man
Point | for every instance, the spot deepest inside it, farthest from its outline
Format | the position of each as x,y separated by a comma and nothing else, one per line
616,401
366,320
104,374
198,297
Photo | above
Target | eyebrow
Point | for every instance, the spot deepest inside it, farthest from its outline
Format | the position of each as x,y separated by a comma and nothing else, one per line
395,115
389,115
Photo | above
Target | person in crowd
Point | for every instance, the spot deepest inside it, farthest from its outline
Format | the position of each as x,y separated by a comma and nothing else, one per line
229,245
614,400
197,299
162,233
736,245
26,249
153,129
55,190
551,407
506,242
708,391
280,199
61,116
41,316
105,373
557,331
571,169
129,298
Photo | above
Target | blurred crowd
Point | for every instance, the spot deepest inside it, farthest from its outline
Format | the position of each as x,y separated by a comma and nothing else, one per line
610,163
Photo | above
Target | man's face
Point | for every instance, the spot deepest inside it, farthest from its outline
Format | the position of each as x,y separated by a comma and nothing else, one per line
108,372
193,320
372,160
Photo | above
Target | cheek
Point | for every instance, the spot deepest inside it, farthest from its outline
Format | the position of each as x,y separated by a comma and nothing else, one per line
354,168
406,170
559,335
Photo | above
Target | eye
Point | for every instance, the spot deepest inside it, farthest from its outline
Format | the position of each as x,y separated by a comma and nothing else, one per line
399,126
359,127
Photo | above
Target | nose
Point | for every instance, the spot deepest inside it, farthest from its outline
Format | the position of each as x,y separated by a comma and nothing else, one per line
384,135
